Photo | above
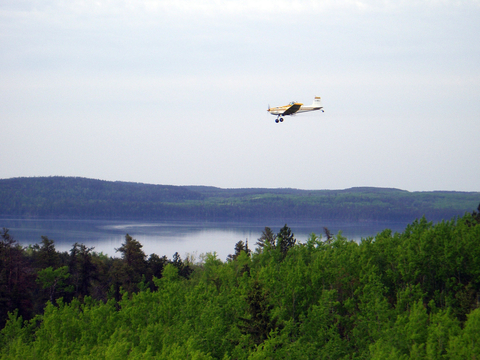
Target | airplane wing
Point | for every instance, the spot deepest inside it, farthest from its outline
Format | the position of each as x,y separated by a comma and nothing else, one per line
292,109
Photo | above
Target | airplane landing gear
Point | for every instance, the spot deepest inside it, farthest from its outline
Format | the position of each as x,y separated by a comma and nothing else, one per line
278,119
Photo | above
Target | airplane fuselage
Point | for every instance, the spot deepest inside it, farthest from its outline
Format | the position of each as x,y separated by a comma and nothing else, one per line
280,110
295,108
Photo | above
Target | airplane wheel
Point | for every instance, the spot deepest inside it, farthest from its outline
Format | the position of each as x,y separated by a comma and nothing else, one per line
276,120
281,119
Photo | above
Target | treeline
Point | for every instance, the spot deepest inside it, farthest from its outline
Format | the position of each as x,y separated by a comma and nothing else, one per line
30,276
53,197
409,295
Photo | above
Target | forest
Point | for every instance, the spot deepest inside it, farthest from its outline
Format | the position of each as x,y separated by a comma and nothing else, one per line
406,295
70,197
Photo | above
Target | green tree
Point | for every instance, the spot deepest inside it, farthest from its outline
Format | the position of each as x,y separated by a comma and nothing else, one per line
443,327
155,266
267,239
373,314
475,217
319,336
129,272
258,323
466,345
132,254
239,247
45,254
285,240
16,279
184,270
54,281
82,269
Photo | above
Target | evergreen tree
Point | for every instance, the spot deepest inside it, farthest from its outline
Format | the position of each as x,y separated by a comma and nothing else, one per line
239,247
258,323
267,239
184,270
155,266
82,269
285,240
45,254
16,279
129,272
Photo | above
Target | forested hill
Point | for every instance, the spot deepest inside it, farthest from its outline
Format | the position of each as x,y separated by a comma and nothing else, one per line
73,197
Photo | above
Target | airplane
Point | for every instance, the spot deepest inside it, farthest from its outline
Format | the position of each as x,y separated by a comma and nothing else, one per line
294,108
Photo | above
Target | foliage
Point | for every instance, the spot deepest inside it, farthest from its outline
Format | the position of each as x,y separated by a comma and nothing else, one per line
409,295
267,239
239,248
87,198
54,281
285,240
15,279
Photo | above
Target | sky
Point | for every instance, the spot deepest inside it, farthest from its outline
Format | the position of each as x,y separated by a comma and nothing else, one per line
175,92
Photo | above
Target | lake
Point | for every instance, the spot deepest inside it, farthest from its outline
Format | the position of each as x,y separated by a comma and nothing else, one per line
166,238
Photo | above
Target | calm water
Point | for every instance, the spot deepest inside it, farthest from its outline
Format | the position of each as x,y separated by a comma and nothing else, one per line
166,238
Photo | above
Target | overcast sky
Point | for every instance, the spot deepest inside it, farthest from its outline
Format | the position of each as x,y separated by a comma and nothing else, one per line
176,92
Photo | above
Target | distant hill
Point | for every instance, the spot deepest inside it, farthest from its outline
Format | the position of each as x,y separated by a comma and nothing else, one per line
73,197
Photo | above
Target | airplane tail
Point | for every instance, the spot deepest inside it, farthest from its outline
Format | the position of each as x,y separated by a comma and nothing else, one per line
317,101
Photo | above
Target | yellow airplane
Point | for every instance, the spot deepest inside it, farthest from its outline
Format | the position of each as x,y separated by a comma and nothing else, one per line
294,108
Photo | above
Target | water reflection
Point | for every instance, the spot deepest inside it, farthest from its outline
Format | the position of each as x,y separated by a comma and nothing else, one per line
166,238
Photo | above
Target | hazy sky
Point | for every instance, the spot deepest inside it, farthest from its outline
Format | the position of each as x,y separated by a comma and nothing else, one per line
176,92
